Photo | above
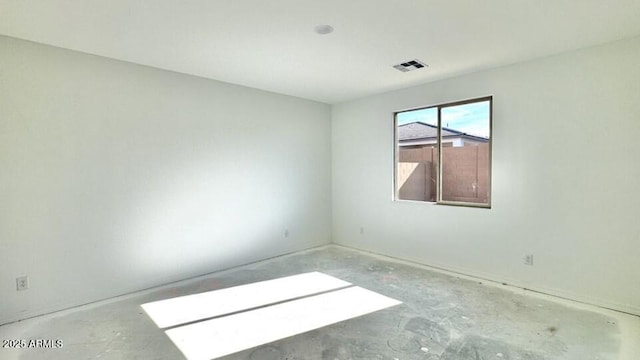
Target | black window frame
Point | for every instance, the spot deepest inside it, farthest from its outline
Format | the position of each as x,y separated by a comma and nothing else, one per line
438,198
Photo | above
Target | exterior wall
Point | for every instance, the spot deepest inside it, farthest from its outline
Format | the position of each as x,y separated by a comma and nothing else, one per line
465,173
413,178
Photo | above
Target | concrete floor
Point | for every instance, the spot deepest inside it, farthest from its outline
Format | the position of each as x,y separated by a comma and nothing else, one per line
443,317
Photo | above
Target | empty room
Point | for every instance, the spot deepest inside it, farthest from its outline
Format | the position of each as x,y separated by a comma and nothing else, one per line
264,180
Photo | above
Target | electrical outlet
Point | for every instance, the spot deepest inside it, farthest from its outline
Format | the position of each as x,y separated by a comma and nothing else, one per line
286,232
22,283
528,260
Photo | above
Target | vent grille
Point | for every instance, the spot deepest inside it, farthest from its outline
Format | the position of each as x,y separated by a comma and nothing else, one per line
410,65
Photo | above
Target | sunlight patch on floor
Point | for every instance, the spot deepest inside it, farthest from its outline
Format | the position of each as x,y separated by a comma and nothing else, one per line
226,335
185,309
222,322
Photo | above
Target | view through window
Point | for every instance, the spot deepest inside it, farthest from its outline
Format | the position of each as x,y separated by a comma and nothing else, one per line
443,153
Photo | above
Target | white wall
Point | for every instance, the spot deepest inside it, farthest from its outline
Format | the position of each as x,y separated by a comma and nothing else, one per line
117,177
566,170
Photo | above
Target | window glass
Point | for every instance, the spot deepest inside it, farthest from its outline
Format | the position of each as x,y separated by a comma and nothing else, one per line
461,175
465,164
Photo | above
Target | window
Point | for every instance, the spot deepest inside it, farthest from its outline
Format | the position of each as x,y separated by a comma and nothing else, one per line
443,153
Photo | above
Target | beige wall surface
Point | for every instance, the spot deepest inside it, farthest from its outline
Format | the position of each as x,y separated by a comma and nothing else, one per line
465,173
575,211
116,177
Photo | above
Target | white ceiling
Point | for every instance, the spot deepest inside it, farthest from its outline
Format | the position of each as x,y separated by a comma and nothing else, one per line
271,45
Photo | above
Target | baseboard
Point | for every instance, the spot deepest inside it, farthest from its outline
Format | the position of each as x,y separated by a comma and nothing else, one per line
125,293
442,268
629,309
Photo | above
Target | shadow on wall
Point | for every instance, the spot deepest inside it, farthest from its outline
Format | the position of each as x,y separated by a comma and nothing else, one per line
416,181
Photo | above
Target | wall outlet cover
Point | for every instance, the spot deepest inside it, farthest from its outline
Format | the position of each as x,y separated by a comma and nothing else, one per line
22,283
528,260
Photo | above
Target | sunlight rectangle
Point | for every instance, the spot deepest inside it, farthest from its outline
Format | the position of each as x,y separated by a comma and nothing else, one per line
185,309
226,335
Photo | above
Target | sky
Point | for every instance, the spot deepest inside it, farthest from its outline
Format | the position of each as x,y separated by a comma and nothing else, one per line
471,118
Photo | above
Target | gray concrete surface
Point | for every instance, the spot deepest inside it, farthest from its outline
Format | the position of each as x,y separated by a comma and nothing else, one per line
443,317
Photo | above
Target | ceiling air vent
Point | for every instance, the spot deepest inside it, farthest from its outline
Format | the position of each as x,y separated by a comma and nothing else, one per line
410,65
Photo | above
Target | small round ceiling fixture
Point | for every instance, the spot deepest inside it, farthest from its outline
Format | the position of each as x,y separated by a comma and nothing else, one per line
323,29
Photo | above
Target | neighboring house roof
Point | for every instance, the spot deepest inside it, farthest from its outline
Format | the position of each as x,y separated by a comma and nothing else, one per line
421,131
